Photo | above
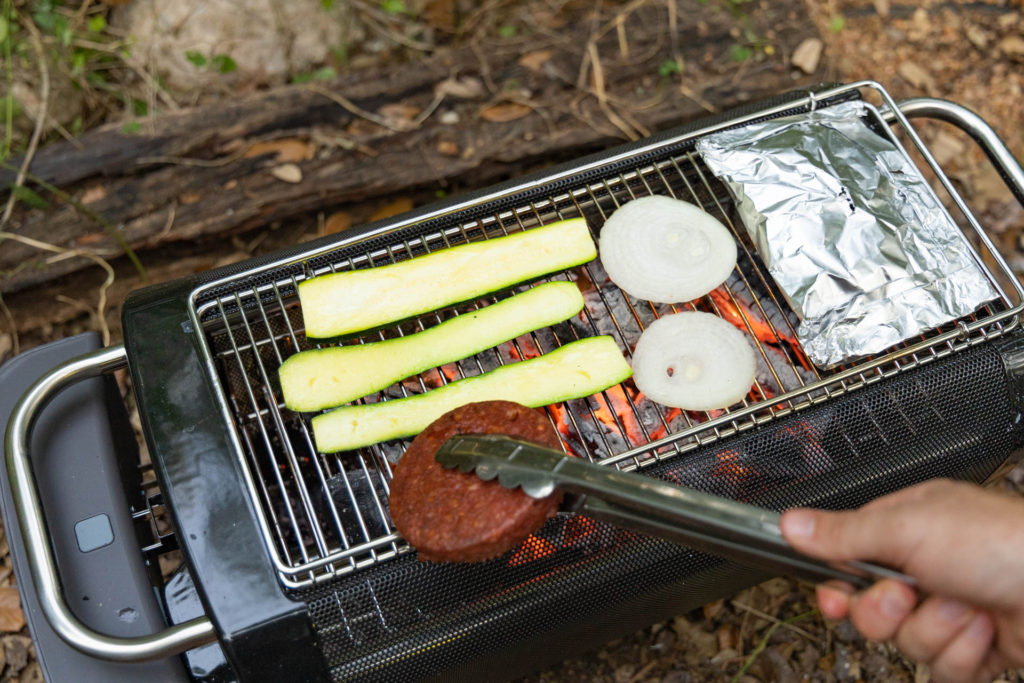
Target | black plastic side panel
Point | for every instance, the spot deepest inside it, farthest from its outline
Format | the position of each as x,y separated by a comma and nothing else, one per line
75,456
265,636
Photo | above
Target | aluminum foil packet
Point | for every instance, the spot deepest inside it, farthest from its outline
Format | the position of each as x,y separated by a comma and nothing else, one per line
850,230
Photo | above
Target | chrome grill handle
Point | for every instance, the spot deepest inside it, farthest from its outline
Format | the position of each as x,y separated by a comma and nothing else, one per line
980,131
32,523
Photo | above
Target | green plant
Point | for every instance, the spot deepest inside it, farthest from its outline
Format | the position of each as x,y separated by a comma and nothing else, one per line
837,23
325,73
669,67
220,63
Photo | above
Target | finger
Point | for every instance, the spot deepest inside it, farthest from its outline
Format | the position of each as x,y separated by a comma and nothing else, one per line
866,534
931,627
834,599
879,611
963,657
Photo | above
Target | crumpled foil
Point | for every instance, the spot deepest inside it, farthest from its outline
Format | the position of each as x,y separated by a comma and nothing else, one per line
849,229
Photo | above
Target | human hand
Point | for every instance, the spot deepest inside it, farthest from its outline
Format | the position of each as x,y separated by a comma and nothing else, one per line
965,547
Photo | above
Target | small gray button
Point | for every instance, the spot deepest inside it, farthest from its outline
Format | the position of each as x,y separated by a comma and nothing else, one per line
94,532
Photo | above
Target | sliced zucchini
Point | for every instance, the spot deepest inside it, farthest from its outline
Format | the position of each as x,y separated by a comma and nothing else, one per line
324,378
353,301
575,370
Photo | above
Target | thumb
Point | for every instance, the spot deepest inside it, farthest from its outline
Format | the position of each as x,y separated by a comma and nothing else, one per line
863,534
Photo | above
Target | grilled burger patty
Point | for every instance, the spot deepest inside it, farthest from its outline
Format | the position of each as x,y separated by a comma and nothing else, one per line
454,516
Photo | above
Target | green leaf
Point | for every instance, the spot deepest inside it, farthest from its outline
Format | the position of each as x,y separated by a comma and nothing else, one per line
668,67
393,6
131,128
97,23
196,58
837,23
327,4
506,30
139,107
224,64
29,197
78,62
740,53
323,74
4,26
45,19
62,29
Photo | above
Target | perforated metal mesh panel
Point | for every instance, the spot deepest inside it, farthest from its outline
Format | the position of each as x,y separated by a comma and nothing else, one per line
408,620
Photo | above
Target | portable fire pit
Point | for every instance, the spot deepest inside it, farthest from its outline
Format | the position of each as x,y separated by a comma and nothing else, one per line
293,569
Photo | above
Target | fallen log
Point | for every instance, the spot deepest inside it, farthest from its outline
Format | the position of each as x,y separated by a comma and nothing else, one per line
469,116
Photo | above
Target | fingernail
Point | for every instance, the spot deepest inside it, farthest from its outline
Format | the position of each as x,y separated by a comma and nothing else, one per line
951,610
800,523
893,604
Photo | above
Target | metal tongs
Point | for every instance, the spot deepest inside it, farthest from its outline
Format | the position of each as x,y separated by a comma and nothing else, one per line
744,533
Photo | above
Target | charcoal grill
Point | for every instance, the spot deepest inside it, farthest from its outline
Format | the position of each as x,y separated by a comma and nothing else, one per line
293,570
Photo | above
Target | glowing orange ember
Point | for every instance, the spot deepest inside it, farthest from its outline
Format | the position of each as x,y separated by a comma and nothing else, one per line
532,549
730,467
748,320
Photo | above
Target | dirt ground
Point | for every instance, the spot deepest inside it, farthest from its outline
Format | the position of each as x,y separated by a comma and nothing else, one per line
969,52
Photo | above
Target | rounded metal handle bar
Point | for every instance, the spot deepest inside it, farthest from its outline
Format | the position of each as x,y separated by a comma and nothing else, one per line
165,643
975,126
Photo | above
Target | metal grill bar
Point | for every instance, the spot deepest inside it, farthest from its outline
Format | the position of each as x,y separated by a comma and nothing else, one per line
325,515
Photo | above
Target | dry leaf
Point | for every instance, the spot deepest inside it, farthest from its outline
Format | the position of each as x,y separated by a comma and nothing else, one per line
392,208
945,148
1012,46
882,7
916,76
337,222
441,14
399,112
11,617
286,149
466,87
977,36
289,173
231,184
502,113
536,59
807,54
447,148
93,194
190,198
91,238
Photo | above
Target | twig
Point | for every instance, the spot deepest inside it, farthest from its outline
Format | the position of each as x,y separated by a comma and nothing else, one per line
602,98
199,163
10,321
764,643
767,617
62,253
37,131
355,109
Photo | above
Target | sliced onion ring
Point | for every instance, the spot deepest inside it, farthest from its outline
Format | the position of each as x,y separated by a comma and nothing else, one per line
666,250
693,361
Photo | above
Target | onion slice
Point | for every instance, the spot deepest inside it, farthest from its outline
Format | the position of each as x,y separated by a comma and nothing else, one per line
693,361
666,250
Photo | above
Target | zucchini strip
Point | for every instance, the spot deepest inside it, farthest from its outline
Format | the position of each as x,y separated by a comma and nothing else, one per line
575,370
324,378
353,301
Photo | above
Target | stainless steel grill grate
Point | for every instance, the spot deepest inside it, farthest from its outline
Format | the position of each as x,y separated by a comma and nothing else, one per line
326,515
